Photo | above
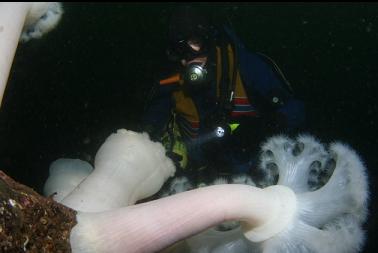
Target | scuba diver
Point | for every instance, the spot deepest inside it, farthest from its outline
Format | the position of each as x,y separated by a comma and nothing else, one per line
220,101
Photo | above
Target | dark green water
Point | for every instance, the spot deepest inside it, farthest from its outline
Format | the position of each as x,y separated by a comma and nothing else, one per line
69,90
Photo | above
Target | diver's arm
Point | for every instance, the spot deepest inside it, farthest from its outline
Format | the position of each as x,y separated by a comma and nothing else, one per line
280,110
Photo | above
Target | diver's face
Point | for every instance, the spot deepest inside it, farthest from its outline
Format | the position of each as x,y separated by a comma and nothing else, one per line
195,46
198,60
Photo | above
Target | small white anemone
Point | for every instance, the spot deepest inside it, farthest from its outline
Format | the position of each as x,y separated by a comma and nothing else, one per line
42,18
64,176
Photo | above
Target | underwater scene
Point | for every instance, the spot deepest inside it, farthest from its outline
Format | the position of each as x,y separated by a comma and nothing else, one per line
197,127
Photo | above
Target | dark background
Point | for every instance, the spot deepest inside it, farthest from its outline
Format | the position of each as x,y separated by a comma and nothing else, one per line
72,88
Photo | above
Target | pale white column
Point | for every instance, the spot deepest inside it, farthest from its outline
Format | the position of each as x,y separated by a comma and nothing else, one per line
12,19
15,21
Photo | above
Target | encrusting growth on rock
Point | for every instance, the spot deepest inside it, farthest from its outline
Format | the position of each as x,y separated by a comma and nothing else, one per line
30,222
